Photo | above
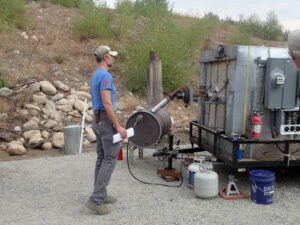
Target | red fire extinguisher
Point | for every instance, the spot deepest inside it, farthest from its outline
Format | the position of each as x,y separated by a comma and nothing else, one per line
256,120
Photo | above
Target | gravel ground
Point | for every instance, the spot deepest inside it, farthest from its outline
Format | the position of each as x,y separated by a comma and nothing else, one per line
52,191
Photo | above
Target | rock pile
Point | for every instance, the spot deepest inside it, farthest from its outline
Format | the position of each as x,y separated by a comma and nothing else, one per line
52,107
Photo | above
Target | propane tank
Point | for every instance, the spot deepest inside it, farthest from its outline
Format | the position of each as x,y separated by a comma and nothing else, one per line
206,183
256,120
192,169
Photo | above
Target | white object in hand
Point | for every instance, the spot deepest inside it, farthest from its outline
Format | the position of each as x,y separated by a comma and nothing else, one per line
117,137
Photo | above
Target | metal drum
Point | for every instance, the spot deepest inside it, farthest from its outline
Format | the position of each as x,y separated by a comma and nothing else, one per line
148,127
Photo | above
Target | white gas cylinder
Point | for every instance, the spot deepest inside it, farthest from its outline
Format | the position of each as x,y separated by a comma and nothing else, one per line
206,184
192,169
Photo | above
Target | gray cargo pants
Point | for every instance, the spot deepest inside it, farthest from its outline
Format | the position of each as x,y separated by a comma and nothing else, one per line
107,153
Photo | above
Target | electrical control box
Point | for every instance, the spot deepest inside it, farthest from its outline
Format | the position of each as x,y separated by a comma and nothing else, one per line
287,121
281,89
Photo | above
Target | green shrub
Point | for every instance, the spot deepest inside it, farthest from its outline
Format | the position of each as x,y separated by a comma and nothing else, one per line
177,47
12,14
151,8
273,29
68,3
123,23
59,59
3,81
267,30
95,22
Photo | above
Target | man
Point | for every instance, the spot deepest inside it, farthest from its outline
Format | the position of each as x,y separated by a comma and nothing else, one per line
294,47
105,125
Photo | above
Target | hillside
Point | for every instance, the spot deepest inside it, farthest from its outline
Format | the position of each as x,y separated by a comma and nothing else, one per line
47,50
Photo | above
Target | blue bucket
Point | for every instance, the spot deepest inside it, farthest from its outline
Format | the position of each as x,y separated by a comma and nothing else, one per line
262,186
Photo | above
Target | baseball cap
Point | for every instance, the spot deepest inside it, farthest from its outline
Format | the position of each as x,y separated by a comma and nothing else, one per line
103,50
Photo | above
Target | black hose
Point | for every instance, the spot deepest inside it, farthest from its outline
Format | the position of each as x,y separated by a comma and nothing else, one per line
144,182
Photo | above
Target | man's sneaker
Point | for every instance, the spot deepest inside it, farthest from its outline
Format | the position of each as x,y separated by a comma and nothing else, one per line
110,200
100,209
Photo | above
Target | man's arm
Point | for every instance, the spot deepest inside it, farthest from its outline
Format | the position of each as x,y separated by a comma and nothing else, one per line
105,95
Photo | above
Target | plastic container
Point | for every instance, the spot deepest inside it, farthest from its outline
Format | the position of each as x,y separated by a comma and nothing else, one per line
72,139
262,186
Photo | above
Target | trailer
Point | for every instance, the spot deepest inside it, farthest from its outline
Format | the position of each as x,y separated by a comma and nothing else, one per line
248,107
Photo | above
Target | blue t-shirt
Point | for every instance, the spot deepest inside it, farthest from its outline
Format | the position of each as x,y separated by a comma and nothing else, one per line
102,80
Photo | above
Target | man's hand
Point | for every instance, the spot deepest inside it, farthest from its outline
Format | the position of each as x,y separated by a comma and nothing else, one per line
122,132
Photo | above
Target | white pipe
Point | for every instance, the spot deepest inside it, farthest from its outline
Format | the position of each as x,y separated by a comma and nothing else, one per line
82,125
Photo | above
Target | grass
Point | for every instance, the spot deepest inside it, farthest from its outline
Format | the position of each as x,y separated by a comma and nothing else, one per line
3,82
94,22
12,14
68,3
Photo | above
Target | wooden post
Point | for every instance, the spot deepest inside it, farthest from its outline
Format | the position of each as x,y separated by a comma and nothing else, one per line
154,78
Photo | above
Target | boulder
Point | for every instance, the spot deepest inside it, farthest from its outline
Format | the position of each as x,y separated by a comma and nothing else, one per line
57,97
31,125
36,119
15,149
65,108
15,143
35,87
55,115
75,113
24,112
49,124
40,99
5,92
85,88
58,140
90,135
58,127
90,104
17,128
28,134
82,95
86,143
32,107
72,97
3,116
91,113
72,102
79,105
36,140
48,88
34,112
50,106
46,146
88,118
45,134
22,140
60,85
3,147
62,101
